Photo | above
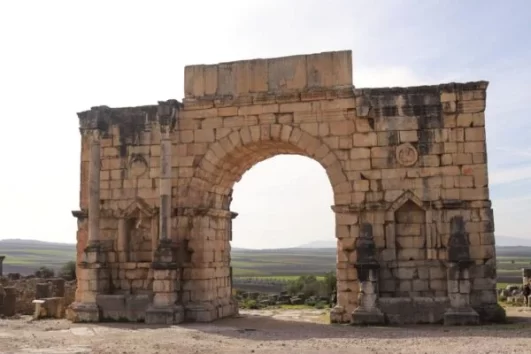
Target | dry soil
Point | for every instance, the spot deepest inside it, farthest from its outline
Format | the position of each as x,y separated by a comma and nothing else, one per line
271,331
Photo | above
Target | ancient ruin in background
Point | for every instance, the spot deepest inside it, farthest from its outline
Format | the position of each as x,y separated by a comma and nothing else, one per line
408,168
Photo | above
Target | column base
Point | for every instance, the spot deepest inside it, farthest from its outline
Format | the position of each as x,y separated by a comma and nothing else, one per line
93,254
83,312
232,309
200,312
338,315
461,317
164,315
361,316
491,313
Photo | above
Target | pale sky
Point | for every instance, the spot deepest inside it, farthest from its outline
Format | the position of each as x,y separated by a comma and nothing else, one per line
61,57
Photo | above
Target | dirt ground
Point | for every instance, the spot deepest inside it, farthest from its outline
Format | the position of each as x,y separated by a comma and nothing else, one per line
264,331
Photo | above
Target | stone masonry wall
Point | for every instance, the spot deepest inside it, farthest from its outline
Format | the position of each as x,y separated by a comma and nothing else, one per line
405,160
26,291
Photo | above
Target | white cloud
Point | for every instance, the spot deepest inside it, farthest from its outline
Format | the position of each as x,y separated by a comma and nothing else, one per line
61,57
386,77
508,175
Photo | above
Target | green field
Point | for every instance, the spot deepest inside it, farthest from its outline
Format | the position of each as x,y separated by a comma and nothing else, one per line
281,264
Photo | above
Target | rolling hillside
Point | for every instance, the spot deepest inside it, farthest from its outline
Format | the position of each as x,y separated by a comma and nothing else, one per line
25,256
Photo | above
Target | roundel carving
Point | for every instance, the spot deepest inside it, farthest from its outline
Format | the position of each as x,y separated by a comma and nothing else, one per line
406,154
138,166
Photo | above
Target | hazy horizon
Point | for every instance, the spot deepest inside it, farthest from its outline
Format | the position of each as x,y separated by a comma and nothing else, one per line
63,57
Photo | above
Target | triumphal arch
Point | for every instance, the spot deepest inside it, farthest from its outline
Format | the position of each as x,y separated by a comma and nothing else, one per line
408,168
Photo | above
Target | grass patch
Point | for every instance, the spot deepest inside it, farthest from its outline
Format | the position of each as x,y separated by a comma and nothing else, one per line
273,277
296,307
504,285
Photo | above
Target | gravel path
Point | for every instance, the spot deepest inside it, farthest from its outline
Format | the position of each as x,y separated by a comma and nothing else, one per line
275,331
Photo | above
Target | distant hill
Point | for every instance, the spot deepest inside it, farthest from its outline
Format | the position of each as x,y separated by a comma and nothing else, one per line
320,244
512,241
503,241
25,256
317,257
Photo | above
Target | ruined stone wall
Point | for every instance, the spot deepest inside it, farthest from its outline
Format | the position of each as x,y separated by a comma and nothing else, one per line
407,161
130,167
26,292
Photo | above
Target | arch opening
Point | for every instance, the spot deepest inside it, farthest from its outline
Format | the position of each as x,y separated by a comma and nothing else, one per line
284,231
224,165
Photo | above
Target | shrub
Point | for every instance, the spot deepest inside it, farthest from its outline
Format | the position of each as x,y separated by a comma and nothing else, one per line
250,304
68,271
320,305
45,272
309,285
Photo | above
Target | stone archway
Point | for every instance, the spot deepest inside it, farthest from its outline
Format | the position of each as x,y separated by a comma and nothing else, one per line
408,169
224,164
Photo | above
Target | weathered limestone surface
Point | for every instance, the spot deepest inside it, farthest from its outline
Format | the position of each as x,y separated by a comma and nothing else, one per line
402,162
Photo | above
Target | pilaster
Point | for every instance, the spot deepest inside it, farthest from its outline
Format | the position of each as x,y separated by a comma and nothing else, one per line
367,267
167,266
93,278
458,276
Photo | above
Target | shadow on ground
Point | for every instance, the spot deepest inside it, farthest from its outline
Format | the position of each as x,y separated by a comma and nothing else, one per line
264,328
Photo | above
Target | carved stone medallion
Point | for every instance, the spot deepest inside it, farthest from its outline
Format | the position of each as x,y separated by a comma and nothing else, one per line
138,166
406,154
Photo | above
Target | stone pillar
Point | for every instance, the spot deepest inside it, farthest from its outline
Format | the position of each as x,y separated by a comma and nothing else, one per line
458,277
94,188
526,276
10,301
166,266
58,287
2,296
2,265
233,307
526,279
347,286
165,184
42,291
367,267
93,277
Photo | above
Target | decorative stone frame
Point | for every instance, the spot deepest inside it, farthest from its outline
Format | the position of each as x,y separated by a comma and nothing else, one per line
432,242
138,207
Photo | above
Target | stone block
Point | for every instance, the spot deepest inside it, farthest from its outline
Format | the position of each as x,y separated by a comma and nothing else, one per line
112,307
437,273
461,317
54,307
79,312
200,312
165,315
417,310
453,286
194,81
361,316
364,139
420,285
438,285
287,73
9,305
475,106
164,299
42,290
